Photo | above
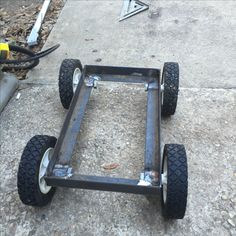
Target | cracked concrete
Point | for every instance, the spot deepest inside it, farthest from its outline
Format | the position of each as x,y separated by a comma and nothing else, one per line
200,37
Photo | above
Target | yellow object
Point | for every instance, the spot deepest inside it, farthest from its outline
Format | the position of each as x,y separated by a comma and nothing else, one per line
4,51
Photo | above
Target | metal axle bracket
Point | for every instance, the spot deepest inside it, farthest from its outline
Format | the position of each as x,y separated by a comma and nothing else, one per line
92,81
62,171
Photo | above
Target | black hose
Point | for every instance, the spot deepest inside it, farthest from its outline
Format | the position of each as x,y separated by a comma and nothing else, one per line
33,58
16,64
49,50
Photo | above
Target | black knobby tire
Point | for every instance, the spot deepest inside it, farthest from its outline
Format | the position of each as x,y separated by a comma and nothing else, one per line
174,206
170,79
28,172
67,69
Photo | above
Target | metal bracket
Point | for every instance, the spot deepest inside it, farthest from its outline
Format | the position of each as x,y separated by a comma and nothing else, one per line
152,85
148,178
62,171
92,81
132,7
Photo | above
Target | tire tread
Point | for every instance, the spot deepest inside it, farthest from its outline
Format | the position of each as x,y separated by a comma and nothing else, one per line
177,183
65,82
170,78
27,176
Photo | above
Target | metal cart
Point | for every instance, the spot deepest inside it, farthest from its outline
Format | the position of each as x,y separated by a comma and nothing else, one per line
46,161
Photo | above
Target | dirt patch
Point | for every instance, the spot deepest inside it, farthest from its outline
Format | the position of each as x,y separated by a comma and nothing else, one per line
17,19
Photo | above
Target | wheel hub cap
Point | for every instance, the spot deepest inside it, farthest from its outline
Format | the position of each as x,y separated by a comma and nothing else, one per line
164,180
76,78
44,188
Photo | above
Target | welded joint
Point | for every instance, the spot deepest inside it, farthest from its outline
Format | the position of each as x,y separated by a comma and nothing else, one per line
63,171
92,81
150,86
148,178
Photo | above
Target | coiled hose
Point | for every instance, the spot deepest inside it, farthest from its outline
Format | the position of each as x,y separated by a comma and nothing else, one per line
27,63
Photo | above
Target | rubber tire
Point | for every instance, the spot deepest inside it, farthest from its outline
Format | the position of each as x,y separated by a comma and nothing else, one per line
27,176
177,182
67,69
170,79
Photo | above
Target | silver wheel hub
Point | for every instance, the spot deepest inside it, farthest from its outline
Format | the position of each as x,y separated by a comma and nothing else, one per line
44,188
76,78
162,93
164,180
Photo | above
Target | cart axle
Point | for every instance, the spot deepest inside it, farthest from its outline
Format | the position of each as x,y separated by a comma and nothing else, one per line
102,183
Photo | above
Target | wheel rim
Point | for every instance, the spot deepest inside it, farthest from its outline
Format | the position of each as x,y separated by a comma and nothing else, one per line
164,180
162,97
162,89
76,78
44,188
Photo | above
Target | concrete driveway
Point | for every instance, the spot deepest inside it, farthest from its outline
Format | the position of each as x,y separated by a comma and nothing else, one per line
200,35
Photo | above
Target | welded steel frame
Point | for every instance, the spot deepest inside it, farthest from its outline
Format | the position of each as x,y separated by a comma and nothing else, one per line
59,172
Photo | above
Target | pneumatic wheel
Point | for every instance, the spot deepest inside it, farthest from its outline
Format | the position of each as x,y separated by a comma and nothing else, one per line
170,81
174,181
69,78
32,187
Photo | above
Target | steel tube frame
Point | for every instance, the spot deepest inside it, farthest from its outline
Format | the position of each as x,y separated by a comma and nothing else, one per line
65,145
102,183
152,146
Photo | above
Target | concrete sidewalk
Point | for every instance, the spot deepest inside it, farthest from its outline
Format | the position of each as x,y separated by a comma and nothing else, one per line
201,37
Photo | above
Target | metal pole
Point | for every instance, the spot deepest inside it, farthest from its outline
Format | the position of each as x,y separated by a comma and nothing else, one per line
102,183
65,144
152,147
